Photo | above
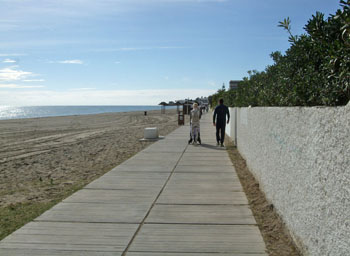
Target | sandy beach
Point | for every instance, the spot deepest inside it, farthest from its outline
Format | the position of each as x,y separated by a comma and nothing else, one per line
42,158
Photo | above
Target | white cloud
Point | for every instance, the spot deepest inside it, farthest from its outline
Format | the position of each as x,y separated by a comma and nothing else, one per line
9,61
117,62
170,47
83,89
130,49
33,80
98,97
212,83
48,14
11,74
11,54
71,62
16,86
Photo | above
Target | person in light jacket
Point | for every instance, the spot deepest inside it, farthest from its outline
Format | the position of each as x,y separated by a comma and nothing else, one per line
195,117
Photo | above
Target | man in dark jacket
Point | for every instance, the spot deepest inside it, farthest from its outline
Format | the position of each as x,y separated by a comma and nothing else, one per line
219,120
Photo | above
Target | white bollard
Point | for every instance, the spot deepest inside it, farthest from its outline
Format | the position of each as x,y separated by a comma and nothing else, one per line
151,133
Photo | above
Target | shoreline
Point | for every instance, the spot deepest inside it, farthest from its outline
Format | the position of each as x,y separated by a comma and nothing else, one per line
78,115
43,160
54,111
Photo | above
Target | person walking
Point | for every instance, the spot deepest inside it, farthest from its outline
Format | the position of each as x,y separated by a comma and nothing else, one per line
195,116
219,120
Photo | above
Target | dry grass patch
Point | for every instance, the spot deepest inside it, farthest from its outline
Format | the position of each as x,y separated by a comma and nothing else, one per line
276,236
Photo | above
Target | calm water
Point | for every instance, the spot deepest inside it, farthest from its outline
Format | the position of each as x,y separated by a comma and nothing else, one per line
9,112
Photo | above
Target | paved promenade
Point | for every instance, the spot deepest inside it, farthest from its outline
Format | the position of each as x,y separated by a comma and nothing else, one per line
170,199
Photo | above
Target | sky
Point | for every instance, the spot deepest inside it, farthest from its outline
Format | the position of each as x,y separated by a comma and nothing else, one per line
138,52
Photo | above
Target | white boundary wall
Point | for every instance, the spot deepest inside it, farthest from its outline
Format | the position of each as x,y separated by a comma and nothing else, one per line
301,158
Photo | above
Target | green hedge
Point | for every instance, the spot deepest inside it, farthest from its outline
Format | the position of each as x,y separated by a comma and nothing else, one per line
315,70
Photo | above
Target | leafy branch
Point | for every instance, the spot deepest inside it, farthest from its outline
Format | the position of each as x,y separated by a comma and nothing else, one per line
286,24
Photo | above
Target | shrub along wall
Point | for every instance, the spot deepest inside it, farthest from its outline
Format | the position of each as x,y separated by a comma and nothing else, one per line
315,70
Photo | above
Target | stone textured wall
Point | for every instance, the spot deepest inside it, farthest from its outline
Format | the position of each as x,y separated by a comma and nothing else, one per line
230,128
301,157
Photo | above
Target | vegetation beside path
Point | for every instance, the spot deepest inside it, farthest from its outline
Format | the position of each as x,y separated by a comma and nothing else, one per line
276,236
314,71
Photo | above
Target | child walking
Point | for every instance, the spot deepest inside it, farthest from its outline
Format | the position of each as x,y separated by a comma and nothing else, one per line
195,116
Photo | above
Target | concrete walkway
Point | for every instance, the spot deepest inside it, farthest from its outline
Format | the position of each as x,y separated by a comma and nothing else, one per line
170,199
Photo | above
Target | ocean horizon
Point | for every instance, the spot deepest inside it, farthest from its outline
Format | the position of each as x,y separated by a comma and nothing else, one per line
20,112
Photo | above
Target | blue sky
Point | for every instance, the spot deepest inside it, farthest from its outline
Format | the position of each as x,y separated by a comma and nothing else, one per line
135,52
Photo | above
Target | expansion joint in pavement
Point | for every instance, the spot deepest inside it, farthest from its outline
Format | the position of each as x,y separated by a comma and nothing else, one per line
154,202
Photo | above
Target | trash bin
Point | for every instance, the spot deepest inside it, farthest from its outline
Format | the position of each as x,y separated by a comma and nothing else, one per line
181,118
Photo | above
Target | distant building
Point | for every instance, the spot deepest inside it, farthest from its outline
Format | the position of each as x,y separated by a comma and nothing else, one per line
234,84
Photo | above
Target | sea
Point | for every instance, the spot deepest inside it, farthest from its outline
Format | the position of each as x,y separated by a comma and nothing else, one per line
11,112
